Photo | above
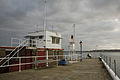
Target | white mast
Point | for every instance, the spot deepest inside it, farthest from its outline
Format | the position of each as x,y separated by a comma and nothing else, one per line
74,30
45,23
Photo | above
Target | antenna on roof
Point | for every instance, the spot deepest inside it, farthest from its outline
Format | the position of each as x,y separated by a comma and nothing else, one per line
44,23
74,30
45,14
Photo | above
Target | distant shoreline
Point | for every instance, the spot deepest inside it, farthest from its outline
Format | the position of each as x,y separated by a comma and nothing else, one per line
102,51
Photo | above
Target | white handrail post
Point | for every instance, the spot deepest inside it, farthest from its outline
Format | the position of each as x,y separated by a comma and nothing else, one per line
35,62
65,57
71,55
11,42
20,64
57,59
8,61
76,57
46,57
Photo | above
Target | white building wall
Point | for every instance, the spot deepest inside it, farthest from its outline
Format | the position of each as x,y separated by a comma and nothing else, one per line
49,40
40,42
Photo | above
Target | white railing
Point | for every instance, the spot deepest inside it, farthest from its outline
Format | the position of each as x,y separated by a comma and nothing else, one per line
111,65
18,48
8,57
36,61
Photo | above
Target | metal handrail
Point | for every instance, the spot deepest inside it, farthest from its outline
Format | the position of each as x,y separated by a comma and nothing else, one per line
38,61
7,56
14,50
14,54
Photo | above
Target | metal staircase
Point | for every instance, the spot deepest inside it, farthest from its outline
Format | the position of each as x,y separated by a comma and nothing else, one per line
15,51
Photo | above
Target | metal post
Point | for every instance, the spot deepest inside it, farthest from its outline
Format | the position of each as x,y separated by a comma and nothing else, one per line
115,67
57,59
47,58
36,43
76,57
106,59
11,42
110,62
65,58
71,55
8,60
19,64
35,62
80,50
103,57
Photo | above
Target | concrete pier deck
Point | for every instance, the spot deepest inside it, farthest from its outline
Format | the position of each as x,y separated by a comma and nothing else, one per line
88,69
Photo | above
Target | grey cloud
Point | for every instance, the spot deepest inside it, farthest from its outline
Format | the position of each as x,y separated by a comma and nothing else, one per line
92,19
102,4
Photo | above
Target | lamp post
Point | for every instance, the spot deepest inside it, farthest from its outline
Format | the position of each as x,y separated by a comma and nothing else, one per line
80,50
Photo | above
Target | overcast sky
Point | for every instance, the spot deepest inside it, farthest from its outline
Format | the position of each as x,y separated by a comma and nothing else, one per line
97,21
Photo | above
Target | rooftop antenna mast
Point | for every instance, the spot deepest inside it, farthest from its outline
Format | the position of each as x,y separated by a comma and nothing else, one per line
45,25
45,14
74,30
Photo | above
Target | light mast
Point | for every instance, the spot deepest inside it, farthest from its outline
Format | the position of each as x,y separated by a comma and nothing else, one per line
72,44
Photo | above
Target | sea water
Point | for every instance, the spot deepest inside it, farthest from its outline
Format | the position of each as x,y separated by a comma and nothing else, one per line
115,56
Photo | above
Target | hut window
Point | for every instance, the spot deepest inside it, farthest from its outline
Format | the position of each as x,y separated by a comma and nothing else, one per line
40,37
34,45
57,40
53,40
32,37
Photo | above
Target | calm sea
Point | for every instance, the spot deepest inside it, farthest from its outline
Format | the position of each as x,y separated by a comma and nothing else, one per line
113,55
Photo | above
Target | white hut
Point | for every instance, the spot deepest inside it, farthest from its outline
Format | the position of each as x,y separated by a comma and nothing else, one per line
44,39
